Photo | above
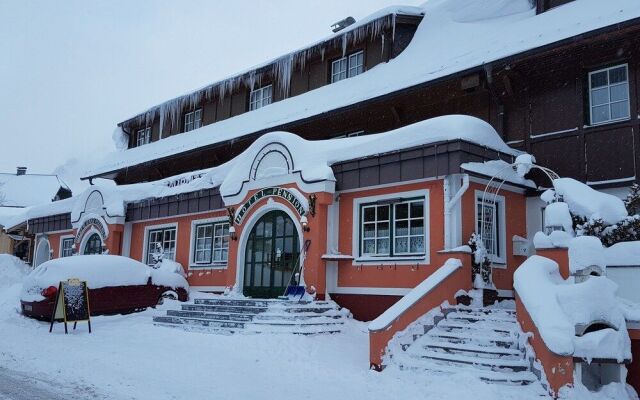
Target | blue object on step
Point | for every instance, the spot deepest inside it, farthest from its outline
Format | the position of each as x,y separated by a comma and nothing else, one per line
295,291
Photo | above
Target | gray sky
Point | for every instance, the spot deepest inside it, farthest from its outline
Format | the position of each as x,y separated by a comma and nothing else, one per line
71,70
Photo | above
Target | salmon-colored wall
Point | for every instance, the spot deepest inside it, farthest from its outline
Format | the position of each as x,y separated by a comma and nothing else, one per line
445,291
196,277
560,255
54,242
515,222
557,368
387,273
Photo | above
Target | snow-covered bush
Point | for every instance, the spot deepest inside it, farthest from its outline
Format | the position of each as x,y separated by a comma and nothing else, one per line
481,265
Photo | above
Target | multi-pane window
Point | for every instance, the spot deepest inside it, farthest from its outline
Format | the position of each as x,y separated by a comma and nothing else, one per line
488,226
67,247
260,97
347,67
393,229
211,243
143,136
161,243
609,94
193,120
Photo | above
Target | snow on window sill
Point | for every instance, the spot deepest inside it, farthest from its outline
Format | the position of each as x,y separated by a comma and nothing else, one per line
208,266
610,122
390,260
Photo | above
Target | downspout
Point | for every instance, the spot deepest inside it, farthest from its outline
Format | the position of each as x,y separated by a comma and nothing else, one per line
449,203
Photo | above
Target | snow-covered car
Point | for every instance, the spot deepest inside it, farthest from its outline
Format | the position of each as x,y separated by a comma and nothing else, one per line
117,285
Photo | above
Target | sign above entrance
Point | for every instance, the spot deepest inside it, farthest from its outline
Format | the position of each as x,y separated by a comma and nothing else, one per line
287,194
89,223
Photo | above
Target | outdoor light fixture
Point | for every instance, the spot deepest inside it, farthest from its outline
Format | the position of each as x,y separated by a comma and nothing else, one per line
304,223
232,233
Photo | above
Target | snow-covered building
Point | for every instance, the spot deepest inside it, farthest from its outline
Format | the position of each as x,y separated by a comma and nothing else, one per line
359,166
17,191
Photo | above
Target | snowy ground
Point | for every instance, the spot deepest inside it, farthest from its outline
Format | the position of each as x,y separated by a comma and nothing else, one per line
126,357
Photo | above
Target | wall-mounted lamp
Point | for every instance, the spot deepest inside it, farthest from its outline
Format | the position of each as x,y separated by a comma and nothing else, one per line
232,233
305,223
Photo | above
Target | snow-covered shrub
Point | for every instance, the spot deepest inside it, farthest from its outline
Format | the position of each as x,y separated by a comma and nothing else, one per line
481,265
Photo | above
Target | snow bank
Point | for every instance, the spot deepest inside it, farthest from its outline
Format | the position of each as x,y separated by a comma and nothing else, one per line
501,28
625,253
557,306
99,271
588,202
585,252
557,214
552,240
501,170
417,293
12,270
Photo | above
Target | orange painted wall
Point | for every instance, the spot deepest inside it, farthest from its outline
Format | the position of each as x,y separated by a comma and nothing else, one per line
199,277
559,255
515,223
388,274
557,368
54,241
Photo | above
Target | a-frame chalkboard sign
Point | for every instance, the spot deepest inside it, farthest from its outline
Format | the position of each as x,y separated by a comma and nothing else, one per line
72,304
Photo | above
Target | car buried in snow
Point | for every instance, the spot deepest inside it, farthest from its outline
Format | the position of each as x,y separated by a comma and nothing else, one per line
117,285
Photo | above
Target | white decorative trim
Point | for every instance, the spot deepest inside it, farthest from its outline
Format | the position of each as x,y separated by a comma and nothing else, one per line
502,226
248,227
126,239
62,238
505,293
208,288
87,234
539,135
400,260
40,240
145,242
192,235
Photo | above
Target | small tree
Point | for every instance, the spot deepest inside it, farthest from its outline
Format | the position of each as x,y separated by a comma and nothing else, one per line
157,256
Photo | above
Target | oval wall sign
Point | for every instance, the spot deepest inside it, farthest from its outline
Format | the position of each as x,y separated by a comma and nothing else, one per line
88,224
283,193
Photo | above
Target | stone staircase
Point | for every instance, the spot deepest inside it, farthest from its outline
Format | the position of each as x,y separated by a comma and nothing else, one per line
484,342
229,316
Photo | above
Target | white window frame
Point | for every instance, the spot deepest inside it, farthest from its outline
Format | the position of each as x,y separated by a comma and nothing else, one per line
348,66
62,240
260,97
404,259
148,230
192,247
501,257
609,103
143,136
192,120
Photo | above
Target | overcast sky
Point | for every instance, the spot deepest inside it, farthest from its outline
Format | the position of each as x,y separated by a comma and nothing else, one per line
71,70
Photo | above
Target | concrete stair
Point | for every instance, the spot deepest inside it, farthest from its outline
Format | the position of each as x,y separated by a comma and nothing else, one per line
229,316
483,342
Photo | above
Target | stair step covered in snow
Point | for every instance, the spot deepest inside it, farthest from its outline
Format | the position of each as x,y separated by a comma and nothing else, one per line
481,341
228,316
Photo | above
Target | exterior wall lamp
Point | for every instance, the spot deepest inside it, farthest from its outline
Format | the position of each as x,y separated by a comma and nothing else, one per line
305,223
232,229
232,233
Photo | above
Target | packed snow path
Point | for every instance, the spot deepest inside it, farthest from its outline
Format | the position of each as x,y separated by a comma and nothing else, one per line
227,316
21,386
484,342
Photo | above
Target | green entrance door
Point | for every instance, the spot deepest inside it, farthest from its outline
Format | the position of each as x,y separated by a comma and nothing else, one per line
271,254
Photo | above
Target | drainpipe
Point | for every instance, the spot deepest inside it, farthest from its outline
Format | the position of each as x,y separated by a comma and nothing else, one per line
449,203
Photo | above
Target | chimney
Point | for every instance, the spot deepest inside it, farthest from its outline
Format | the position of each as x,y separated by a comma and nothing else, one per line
21,171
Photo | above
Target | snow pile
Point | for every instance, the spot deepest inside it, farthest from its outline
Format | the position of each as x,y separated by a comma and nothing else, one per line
624,253
98,271
557,307
503,28
524,163
552,240
417,293
314,158
557,214
120,139
12,270
585,252
499,169
28,190
589,203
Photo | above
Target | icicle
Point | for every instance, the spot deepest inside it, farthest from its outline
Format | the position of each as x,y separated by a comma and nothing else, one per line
393,27
382,48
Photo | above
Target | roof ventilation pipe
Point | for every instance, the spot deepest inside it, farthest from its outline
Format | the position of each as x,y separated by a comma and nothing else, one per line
450,201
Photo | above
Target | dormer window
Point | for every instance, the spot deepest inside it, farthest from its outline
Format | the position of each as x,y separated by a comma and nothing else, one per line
260,97
193,120
143,136
347,67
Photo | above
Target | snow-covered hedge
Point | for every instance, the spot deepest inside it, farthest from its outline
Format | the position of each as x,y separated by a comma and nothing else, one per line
99,271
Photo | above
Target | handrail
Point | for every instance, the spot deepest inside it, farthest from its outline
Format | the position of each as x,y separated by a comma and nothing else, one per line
394,312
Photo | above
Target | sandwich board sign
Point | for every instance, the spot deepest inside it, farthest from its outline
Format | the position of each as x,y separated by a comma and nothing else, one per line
72,304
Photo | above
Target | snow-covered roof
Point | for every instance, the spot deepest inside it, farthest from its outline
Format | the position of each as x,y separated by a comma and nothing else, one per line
28,189
312,159
464,34
499,169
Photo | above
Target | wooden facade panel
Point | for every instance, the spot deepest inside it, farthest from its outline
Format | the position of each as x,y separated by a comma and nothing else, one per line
240,102
223,108
567,163
194,202
610,154
318,74
50,223
555,104
209,113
